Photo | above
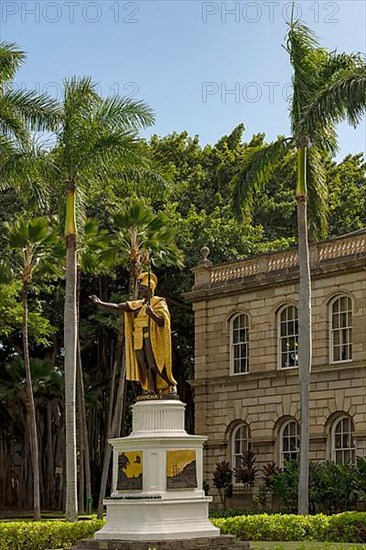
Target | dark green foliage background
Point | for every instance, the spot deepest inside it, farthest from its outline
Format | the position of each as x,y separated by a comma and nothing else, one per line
196,196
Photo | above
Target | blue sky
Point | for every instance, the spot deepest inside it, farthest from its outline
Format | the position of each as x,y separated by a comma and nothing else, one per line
204,67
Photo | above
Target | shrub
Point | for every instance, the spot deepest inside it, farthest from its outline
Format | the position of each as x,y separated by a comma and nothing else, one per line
228,513
268,527
248,471
41,535
346,527
359,479
269,470
223,481
285,486
333,488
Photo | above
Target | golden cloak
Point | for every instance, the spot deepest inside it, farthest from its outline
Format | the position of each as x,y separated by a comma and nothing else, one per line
160,338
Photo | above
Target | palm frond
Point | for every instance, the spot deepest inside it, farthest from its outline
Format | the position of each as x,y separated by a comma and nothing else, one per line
142,175
144,236
303,49
317,193
23,232
79,98
340,62
136,214
300,41
326,139
94,248
8,147
124,113
255,171
40,112
11,59
11,123
41,242
25,168
113,152
344,99
79,92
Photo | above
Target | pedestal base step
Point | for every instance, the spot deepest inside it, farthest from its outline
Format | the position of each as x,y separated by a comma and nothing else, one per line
226,542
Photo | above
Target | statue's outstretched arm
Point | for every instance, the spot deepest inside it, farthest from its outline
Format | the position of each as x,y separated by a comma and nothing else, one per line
109,306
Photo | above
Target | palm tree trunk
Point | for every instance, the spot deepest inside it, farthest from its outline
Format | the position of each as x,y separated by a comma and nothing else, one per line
305,344
33,436
70,342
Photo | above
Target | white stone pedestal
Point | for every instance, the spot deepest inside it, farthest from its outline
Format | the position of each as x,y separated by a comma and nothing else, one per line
167,457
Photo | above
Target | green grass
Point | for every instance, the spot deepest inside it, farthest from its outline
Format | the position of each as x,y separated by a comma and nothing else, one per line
305,546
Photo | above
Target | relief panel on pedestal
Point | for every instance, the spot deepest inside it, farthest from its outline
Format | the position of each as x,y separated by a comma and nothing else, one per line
181,469
130,464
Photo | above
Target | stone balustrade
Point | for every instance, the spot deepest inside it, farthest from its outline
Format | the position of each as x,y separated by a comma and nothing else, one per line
207,275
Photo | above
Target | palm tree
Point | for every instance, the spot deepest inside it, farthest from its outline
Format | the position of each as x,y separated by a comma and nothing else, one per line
21,110
37,242
97,138
328,87
142,238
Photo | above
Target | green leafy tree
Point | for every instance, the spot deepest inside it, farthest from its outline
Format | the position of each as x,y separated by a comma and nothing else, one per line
347,195
328,87
35,244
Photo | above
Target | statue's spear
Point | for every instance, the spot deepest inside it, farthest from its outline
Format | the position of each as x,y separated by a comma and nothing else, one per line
148,284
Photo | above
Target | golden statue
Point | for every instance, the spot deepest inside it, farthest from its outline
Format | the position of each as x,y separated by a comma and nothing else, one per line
147,338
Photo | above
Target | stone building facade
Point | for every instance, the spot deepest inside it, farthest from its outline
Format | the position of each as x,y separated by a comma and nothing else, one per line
246,376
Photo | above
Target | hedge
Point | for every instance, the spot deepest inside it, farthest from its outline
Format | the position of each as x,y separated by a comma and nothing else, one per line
42,535
345,527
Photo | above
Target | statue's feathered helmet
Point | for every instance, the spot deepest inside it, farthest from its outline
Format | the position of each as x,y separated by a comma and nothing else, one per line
146,278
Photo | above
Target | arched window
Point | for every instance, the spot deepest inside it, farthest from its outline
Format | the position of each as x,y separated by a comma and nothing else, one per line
288,335
340,337
239,444
239,344
343,442
289,441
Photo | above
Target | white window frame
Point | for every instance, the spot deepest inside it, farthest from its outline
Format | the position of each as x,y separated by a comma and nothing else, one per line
244,446
351,449
280,338
246,343
281,436
333,330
